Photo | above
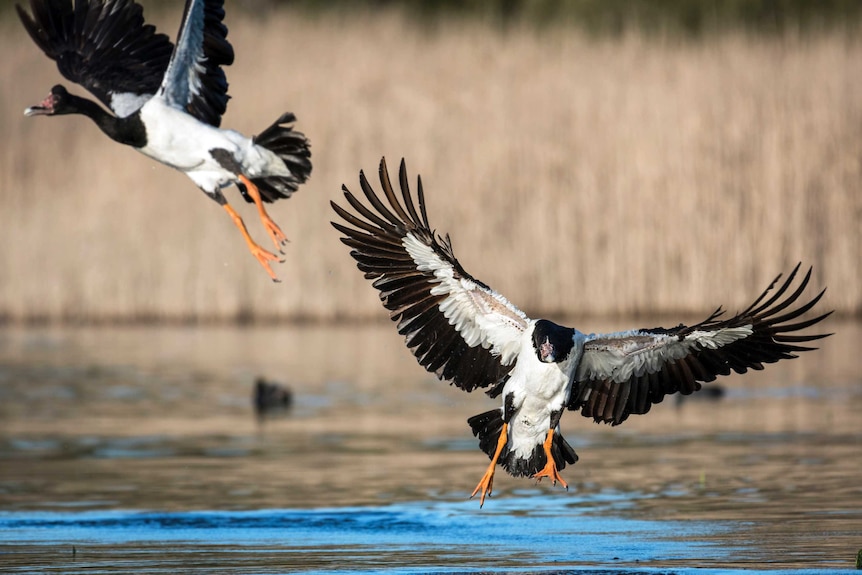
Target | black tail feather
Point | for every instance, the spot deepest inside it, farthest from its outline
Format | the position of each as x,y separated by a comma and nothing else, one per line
487,427
293,149
562,452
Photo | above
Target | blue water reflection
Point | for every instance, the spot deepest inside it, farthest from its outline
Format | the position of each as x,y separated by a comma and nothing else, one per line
517,533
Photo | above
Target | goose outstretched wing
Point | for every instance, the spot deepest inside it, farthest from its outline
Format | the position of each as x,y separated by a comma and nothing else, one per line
456,326
104,46
194,80
627,372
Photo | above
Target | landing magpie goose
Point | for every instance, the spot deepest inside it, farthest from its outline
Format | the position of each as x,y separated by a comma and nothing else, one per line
167,101
467,333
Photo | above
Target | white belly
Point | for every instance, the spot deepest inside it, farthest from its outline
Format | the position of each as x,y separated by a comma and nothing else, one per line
182,141
538,389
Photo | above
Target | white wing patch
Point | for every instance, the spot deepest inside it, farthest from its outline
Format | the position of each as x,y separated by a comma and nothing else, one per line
721,337
619,356
481,316
126,103
197,70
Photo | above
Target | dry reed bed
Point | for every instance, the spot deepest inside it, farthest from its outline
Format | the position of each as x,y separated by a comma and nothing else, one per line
577,177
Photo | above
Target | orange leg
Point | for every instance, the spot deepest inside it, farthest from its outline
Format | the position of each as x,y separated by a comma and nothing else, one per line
278,237
263,256
487,480
550,469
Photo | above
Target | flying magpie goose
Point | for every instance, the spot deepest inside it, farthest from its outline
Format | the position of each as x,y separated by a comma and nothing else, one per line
167,101
465,332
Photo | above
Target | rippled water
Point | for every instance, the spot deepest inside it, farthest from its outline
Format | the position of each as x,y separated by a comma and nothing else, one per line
138,449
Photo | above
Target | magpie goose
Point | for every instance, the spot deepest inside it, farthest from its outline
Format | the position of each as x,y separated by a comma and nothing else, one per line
467,333
167,101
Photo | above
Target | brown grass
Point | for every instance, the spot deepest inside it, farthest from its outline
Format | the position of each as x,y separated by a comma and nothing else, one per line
576,176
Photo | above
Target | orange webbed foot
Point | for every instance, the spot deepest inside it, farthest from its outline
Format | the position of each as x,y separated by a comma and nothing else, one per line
278,237
550,471
486,485
264,257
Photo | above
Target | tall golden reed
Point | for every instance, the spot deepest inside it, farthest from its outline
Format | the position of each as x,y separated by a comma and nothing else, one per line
576,176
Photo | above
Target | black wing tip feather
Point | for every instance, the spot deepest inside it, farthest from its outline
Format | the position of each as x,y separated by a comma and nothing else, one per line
376,231
210,104
770,340
771,323
399,219
769,313
26,19
774,318
107,47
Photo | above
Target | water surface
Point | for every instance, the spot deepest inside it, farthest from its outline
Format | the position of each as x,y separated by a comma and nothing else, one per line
137,449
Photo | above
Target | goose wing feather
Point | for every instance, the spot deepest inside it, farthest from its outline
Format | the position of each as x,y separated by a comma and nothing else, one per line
103,45
194,80
456,326
627,372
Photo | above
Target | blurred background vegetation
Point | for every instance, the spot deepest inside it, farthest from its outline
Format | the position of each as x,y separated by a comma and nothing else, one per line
601,158
612,17
687,18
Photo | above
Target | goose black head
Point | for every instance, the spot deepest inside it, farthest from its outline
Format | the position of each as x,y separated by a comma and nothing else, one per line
57,102
551,342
